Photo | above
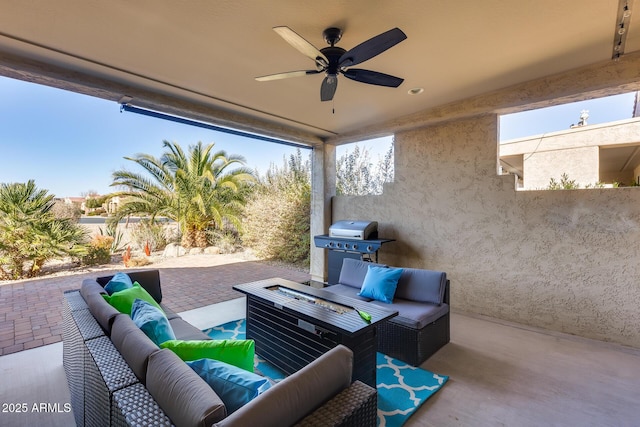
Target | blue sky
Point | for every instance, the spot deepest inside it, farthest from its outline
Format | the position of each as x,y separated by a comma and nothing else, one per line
70,144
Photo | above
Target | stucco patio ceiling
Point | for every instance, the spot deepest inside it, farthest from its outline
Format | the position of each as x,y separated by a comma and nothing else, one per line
209,52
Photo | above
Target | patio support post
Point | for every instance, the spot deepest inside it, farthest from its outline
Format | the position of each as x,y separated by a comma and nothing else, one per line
323,188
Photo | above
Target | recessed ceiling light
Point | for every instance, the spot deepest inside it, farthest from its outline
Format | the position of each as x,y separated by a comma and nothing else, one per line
416,91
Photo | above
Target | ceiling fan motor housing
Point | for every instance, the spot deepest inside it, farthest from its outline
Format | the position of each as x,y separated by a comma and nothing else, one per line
332,35
333,54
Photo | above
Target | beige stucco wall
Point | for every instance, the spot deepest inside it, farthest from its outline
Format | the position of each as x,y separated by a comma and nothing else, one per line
562,260
580,164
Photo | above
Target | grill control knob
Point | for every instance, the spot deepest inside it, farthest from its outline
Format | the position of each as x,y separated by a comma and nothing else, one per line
370,248
355,246
339,245
330,244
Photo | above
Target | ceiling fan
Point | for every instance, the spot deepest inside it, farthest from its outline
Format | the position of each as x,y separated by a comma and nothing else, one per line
335,60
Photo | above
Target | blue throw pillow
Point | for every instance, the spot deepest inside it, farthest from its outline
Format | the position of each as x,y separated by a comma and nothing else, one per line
152,321
236,387
380,283
119,282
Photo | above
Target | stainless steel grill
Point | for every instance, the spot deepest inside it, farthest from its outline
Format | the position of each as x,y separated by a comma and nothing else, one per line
358,230
349,239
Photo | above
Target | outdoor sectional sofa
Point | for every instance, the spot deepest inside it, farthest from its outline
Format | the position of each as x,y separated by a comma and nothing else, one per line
422,299
118,376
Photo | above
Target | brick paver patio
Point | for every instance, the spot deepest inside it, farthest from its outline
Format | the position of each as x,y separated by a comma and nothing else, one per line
31,311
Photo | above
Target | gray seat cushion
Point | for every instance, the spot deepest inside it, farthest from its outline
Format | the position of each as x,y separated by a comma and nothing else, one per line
421,285
345,290
185,397
133,344
414,314
353,271
186,331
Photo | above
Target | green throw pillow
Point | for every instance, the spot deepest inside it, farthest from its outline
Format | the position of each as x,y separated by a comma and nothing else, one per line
238,353
123,300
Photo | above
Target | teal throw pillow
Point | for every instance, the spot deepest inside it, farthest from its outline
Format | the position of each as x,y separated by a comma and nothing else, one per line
123,300
152,321
236,387
238,353
380,283
119,282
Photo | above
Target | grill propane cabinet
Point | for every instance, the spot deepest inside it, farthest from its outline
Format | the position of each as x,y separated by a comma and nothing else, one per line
349,239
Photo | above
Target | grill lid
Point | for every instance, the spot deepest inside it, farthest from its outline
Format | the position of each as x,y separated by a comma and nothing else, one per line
359,230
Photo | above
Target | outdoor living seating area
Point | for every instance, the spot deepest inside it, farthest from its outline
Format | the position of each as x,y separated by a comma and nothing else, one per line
118,375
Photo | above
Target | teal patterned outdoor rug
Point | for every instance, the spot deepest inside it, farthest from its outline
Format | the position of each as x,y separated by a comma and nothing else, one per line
402,388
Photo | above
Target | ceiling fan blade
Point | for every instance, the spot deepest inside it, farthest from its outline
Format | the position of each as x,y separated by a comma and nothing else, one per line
372,47
286,75
303,46
328,88
372,77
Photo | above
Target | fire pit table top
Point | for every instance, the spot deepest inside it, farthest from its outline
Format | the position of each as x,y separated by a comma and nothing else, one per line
324,307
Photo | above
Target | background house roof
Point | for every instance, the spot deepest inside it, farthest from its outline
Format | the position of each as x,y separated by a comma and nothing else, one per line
207,53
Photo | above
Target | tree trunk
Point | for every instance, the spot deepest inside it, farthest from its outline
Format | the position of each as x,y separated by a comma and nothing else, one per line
201,238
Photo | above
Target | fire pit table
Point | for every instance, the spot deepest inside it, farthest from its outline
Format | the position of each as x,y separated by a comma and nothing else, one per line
293,324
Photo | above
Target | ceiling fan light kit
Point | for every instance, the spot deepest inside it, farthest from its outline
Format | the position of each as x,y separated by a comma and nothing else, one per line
334,60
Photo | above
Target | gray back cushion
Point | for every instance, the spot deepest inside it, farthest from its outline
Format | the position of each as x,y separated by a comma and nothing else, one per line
181,393
299,394
353,271
103,312
422,285
133,344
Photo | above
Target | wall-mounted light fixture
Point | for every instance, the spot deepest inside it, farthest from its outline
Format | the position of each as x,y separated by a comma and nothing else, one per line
622,28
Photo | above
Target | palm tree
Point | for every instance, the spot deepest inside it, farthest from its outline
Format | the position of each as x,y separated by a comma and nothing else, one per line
197,189
31,233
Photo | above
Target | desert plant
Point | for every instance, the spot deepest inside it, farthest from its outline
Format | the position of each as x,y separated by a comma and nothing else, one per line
117,236
228,241
30,234
99,250
147,232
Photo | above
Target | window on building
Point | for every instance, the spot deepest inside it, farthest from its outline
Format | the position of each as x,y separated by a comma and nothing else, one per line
587,144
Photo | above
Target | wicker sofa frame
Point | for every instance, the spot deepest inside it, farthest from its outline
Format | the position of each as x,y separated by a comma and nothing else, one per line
105,391
422,299
414,346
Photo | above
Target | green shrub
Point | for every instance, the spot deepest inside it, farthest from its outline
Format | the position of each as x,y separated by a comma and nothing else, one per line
276,223
149,232
228,241
98,251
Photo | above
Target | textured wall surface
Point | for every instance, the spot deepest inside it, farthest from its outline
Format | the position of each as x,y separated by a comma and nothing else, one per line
581,165
561,260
